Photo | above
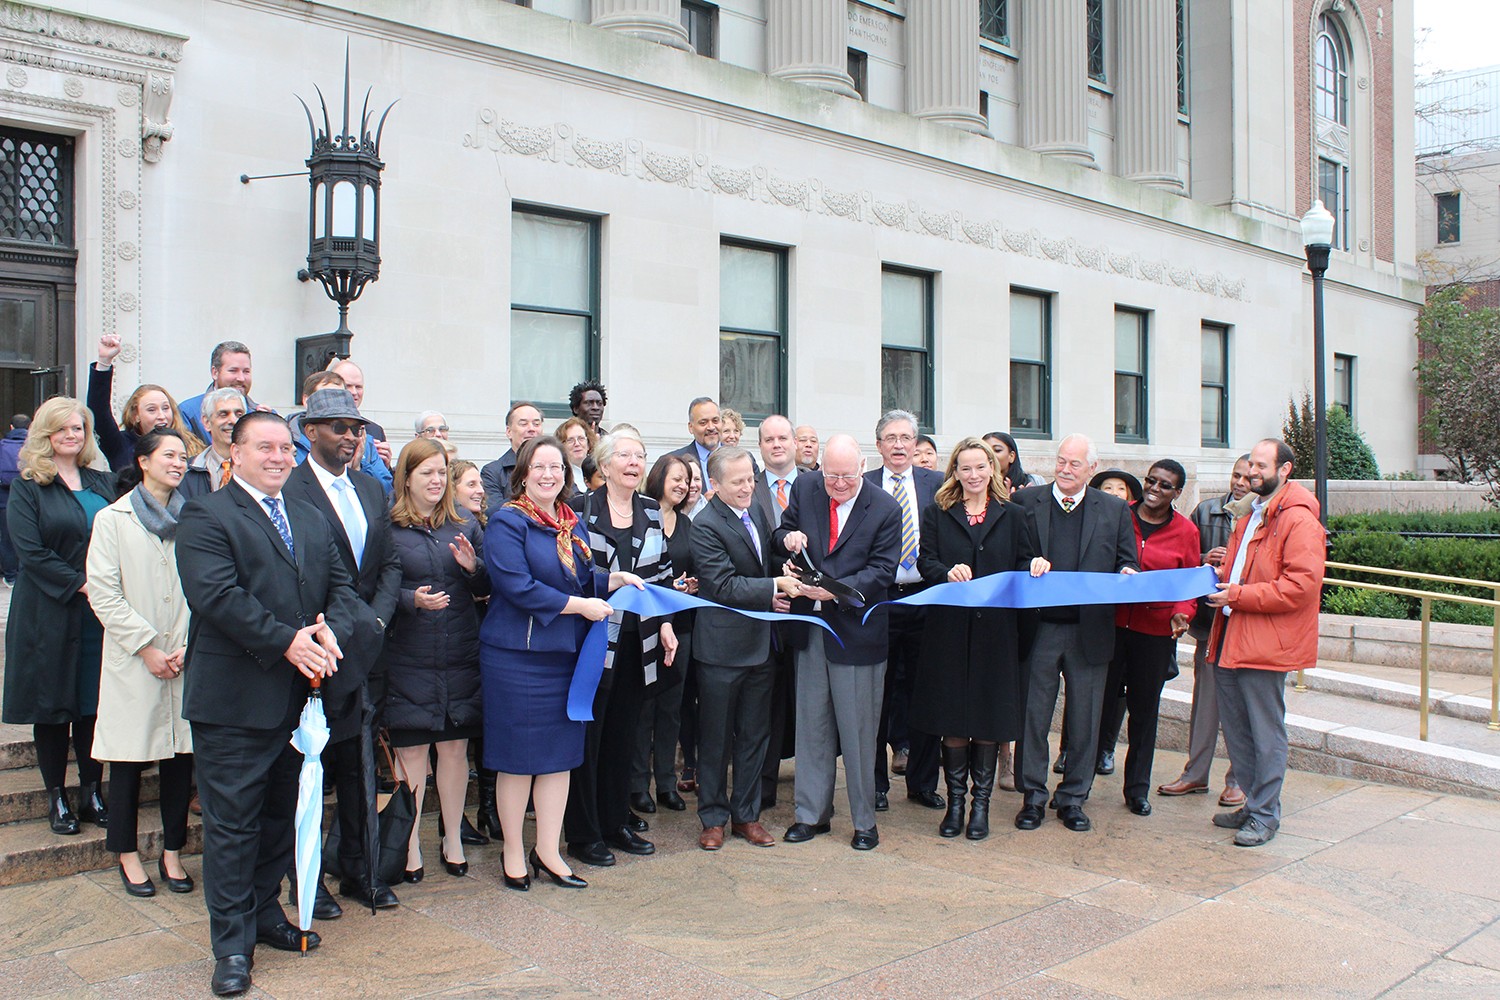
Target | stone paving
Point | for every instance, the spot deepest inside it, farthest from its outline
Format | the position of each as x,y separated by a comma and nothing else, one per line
1369,891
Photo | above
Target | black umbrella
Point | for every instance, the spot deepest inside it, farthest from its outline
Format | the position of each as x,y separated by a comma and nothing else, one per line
371,788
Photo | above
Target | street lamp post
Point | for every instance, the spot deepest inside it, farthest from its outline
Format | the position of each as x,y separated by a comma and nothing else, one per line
1317,240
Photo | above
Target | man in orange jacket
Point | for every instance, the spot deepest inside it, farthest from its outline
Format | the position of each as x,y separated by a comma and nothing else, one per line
1266,627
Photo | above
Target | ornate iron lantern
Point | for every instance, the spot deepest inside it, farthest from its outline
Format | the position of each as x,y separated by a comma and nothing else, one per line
343,252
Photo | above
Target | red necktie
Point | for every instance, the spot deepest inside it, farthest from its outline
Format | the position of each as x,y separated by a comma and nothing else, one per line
833,523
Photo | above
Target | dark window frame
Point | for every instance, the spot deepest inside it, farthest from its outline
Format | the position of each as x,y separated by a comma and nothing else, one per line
1449,217
559,408
706,17
1142,378
1344,383
1340,201
1095,41
783,319
927,411
1331,75
858,68
1182,58
994,21
1222,387
15,221
1044,416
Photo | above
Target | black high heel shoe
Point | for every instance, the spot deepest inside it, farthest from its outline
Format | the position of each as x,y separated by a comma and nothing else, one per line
457,869
414,875
141,890
566,881
184,884
522,884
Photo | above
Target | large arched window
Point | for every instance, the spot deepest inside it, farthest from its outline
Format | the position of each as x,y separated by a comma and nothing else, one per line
1331,72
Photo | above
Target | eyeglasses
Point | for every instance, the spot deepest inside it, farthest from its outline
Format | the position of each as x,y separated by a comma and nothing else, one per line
1161,484
554,468
841,479
899,438
342,427
428,432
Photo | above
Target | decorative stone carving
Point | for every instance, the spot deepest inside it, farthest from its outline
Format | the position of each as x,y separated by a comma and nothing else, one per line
16,77
156,98
127,250
672,169
126,200
87,31
128,97
127,302
73,87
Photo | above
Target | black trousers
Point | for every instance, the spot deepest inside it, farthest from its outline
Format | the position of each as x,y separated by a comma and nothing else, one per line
125,802
51,740
900,676
687,733
599,790
1141,664
734,711
783,728
247,785
341,760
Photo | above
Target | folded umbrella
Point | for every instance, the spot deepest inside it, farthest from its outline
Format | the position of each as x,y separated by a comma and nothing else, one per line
310,737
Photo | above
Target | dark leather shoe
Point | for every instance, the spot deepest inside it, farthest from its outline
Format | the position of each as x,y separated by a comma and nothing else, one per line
285,937
62,818
355,889
231,975
468,835
184,884
414,875
799,833
865,840
882,801
636,824
641,802
671,800
595,854
1061,765
325,907
625,839
1074,818
1029,818
1138,805
932,800
712,838
1106,763
141,890
753,832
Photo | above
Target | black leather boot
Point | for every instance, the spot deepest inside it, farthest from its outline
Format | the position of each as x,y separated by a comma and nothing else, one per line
61,814
91,806
956,772
982,761
486,818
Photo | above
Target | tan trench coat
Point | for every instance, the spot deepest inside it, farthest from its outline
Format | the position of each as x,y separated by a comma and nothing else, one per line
136,593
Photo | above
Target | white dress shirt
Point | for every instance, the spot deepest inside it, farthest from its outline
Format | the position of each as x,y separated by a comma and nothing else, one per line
326,480
1058,494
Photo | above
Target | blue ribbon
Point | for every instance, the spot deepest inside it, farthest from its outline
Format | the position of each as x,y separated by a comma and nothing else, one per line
1020,589
653,602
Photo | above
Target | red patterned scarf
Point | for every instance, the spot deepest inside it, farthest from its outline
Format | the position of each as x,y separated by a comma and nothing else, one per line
563,522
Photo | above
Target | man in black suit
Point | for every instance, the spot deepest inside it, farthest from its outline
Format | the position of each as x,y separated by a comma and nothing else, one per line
773,491
703,425
353,504
523,421
272,606
1079,529
913,489
736,564
852,532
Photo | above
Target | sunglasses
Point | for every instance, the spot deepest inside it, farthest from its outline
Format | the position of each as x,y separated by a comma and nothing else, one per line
342,427
1161,483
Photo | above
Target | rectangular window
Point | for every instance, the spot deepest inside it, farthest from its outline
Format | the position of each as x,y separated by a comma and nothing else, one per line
1130,375
1094,11
752,329
1182,95
1030,364
701,21
994,20
906,343
36,187
859,72
1215,391
1333,189
554,311
1343,383
1448,208
984,106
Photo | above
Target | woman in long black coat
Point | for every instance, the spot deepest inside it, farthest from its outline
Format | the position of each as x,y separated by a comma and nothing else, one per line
969,686
53,642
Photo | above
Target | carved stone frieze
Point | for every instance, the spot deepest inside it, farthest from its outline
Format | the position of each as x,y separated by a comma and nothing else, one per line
122,38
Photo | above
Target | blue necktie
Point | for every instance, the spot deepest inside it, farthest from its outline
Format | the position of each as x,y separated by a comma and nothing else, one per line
908,522
273,504
353,526
754,538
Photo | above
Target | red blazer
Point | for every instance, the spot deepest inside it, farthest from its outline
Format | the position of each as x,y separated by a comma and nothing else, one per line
1174,545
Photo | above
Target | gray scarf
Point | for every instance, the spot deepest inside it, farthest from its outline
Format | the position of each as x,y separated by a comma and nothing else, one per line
160,521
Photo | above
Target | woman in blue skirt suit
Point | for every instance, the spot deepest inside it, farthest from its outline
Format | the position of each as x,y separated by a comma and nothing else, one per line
545,593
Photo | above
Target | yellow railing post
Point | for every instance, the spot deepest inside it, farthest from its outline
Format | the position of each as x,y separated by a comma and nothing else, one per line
1301,684
1495,670
1426,635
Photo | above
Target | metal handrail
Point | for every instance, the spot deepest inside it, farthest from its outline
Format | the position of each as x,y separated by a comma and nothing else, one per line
1427,597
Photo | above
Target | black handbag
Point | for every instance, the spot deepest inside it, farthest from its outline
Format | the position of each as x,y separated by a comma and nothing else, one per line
397,818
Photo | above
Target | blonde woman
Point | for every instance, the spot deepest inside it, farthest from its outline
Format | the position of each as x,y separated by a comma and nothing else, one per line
53,641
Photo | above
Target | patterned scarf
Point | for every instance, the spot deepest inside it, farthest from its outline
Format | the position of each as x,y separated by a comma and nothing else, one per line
563,523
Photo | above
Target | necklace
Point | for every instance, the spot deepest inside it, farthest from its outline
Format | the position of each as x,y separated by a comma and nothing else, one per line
626,514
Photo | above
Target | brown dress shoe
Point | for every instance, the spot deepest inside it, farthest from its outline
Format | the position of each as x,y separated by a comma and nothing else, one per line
753,832
1232,798
1180,787
712,838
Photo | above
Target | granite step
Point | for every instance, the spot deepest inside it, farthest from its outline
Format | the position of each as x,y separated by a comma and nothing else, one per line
22,796
30,851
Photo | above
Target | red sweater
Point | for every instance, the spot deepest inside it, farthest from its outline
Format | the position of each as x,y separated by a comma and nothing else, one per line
1174,545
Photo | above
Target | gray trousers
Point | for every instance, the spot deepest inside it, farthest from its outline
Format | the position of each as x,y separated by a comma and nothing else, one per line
1057,655
734,713
1252,706
838,707
1203,724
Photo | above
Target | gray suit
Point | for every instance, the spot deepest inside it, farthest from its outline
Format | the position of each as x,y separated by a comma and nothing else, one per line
1077,652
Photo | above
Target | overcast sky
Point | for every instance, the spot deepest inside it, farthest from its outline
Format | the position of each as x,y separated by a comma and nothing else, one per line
1456,34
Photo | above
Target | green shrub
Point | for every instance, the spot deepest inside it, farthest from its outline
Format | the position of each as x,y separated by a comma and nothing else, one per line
1473,522
1366,603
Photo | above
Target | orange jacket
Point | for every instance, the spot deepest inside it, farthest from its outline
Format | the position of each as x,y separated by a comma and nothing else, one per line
1275,621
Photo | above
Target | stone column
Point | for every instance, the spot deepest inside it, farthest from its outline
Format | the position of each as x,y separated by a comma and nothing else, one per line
807,41
654,20
942,63
1054,79
1146,99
